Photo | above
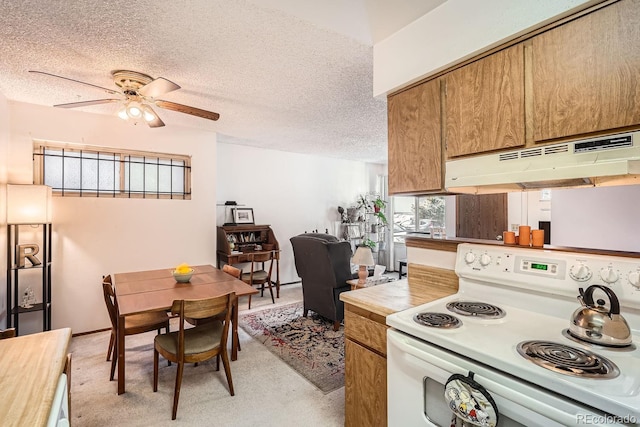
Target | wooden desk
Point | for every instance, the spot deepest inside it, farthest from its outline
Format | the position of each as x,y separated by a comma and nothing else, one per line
30,367
155,290
245,236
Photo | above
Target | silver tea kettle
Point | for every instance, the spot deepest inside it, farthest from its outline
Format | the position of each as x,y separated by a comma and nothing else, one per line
595,324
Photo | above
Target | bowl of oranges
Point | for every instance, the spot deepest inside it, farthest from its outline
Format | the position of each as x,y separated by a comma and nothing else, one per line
183,273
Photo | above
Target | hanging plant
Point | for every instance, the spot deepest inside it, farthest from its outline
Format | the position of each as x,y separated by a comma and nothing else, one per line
382,217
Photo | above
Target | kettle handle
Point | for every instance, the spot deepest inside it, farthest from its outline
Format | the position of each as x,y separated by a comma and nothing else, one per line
613,299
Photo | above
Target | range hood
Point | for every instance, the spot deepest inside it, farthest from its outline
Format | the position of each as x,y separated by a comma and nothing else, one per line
610,160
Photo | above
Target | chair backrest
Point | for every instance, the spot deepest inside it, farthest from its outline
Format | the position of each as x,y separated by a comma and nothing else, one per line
323,236
256,259
229,269
202,309
7,333
110,300
322,259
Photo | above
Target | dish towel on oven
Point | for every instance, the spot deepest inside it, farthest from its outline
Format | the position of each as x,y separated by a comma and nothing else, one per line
470,402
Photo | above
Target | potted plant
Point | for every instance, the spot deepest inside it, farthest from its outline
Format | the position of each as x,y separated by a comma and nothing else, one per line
363,203
370,243
378,210
379,204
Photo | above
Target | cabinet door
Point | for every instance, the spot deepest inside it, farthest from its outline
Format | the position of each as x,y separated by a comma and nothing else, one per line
415,143
586,73
484,104
481,216
365,387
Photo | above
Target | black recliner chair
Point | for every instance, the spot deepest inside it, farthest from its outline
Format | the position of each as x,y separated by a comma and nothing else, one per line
324,265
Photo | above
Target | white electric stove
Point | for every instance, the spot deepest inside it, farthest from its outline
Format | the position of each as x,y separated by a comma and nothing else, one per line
511,297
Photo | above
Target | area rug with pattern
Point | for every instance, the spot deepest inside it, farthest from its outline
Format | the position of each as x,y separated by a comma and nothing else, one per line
308,344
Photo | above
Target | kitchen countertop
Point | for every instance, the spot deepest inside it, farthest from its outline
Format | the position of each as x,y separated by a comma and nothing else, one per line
391,297
450,244
30,367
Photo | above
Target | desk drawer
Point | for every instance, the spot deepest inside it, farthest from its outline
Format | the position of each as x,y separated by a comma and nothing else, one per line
366,330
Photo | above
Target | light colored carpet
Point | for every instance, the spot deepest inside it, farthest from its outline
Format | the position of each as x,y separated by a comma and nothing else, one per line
268,391
308,344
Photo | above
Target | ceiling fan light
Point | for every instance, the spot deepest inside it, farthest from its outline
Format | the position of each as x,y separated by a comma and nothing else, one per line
134,110
122,113
148,114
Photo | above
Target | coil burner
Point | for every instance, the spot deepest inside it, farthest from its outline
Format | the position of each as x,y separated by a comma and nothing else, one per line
568,360
477,309
437,320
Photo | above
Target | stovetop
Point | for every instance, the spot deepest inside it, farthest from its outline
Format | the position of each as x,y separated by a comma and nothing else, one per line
537,292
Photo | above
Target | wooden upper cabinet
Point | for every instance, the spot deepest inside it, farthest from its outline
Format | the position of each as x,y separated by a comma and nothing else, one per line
415,142
586,73
484,104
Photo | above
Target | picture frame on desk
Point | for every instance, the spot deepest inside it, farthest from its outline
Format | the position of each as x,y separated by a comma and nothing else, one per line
243,216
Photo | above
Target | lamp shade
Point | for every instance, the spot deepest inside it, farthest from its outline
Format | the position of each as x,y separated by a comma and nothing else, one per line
28,204
363,256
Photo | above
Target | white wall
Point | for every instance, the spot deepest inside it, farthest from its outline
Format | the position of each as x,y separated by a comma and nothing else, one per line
455,31
4,164
93,237
291,192
527,208
602,218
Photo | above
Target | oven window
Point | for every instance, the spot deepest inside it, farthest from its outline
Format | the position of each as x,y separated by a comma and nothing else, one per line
435,407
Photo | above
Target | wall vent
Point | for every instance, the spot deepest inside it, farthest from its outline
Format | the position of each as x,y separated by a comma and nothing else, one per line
509,156
556,149
536,152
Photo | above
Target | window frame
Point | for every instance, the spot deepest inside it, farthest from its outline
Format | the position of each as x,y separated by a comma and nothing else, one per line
39,147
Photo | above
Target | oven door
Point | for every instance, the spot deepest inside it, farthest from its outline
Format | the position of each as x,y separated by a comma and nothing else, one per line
417,372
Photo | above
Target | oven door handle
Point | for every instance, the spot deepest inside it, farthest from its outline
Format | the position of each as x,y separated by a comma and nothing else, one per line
417,355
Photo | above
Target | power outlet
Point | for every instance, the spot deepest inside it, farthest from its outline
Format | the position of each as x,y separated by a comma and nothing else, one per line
515,227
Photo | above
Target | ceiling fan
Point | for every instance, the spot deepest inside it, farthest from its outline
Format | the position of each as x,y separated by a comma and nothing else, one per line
138,92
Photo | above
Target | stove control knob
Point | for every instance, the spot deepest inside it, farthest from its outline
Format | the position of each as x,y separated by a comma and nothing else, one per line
470,257
634,278
580,272
485,259
609,275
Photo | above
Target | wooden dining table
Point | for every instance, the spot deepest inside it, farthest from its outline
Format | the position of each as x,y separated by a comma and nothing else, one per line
155,290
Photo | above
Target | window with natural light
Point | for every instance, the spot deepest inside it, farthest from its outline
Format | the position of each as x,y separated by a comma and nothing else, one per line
74,170
418,214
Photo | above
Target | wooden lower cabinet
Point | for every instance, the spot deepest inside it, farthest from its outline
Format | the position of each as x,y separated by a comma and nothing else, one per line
365,332
365,386
365,368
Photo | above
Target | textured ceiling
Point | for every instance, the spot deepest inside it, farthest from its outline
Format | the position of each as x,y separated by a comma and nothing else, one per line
281,76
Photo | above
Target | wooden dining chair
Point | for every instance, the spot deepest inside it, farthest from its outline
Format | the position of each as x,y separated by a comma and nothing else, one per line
134,324
7,333
258,275
197,344
233,271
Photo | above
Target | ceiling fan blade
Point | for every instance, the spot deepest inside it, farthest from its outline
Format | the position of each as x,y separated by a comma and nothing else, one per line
87,103
187,110
158,87
111,91
155,123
